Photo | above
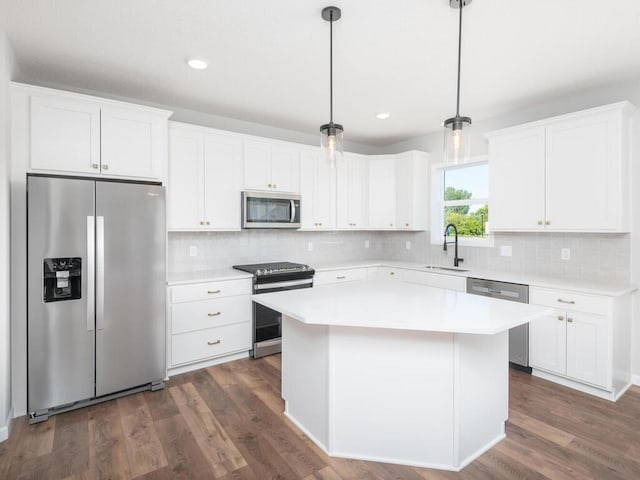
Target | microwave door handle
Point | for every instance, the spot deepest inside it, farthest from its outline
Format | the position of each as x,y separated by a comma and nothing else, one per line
293,211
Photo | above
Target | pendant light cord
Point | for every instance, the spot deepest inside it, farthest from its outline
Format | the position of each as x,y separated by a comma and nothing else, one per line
459,58
331,68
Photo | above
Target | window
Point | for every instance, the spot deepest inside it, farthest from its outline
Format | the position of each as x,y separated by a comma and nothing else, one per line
461,197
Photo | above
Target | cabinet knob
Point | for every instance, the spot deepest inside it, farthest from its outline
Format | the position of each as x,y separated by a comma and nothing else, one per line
547,222
391,224
201,223
539,222
392,273
105,167
569,319
95,166
560,317
213,314
208,223
406,224
216,342
320,224
269,185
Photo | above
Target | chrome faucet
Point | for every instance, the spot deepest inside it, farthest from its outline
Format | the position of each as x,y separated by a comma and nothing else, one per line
456,260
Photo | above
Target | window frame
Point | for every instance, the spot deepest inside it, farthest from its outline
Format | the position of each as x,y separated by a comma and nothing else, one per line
438,204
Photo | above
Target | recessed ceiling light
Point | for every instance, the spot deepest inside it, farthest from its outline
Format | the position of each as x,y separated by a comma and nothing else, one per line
197,63
383,115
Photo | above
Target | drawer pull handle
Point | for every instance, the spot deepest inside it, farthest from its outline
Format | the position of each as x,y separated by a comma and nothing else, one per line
341,277
561,318
211,292
570,302
569,319
213,343
214,314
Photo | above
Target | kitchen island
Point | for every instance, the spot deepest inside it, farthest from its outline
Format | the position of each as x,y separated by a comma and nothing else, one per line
395,372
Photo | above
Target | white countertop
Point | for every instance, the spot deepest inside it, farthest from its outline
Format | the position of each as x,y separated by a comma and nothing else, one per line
402,306
577,285
571,284
204,276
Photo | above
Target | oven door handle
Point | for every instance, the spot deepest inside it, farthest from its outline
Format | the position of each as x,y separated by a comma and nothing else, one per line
293,211
289,283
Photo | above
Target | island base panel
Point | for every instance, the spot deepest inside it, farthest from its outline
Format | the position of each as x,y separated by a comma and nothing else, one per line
428,399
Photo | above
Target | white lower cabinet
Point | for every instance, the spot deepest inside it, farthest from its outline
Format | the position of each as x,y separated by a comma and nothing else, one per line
584,343
339,276
209,320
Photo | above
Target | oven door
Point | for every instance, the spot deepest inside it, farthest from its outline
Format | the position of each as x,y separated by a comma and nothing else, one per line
270,210
267,323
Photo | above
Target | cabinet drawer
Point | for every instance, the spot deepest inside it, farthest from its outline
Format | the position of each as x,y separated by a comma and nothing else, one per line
566,300
211,290
190,316
338,276
213,342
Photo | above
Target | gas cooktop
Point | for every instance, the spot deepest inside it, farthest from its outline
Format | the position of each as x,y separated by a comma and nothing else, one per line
274,268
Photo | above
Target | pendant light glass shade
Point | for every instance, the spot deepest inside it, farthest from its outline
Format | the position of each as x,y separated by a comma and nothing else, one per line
457,130
457,140
331,134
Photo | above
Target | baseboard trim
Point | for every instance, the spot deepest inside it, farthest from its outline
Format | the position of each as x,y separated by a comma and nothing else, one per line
635,379
6,430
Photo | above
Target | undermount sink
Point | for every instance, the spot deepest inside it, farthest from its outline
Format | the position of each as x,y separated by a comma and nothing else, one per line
447,269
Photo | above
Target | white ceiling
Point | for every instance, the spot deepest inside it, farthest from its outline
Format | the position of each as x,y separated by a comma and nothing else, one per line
269,58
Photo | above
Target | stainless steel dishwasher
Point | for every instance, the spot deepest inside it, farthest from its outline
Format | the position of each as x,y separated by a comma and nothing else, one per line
518,336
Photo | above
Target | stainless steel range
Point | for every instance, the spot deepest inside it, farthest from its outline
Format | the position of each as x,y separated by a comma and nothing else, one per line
267,278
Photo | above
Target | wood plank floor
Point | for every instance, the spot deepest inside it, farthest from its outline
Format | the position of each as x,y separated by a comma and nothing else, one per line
227,422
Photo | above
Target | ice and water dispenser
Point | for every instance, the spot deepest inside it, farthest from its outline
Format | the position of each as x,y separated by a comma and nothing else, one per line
61,279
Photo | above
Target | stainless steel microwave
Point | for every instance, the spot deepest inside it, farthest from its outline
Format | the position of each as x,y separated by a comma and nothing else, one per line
270,210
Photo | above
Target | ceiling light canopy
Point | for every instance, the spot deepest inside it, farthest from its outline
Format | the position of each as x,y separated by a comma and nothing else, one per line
383,115
197,63
457,145
331,134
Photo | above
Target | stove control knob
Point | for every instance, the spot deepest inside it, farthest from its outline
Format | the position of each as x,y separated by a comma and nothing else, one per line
259,271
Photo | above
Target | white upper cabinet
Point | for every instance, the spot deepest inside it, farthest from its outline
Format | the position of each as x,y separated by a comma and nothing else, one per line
318,190
411,191
65,135
352,192
205,179
382,192
78,134
271,166
131,142
568,173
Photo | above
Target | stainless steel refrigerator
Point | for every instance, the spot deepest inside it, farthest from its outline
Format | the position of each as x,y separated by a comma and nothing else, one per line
96,291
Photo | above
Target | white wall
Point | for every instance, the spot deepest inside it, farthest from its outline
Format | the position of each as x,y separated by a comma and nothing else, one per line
630,90
7,67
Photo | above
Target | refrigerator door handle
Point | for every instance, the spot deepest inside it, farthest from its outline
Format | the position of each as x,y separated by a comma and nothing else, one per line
99,273
91,273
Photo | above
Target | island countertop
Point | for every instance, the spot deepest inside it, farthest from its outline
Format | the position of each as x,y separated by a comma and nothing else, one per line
401,306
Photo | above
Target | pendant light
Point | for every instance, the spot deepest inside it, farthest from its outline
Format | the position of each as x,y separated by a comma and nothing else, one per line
457,145
331,133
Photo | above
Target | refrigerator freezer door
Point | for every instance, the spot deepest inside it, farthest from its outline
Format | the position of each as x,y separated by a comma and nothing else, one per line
130,271
60,333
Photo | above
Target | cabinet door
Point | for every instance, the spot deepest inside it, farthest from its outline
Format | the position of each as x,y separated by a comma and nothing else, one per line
285,169
516,180
131,143
411,191
222,182
382,192
583,174
548,343
65,135
588,353
257,165
185,206
318,190
352,188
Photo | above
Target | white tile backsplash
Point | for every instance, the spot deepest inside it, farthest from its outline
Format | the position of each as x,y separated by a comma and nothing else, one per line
604,257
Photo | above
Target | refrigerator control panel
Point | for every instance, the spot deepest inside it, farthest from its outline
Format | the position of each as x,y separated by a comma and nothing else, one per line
61,279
